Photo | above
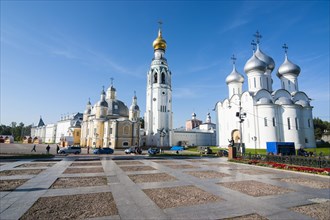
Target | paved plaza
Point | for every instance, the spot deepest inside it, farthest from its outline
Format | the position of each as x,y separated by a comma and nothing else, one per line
142,187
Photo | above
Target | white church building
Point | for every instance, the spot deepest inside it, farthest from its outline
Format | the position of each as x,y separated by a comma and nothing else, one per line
262,114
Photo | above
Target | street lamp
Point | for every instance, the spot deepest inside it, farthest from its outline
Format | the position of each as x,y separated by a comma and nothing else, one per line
241,115
254,138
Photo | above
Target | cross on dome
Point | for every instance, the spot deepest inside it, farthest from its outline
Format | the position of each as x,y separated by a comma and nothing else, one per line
285,47
233,58
258,36
160,24
111,79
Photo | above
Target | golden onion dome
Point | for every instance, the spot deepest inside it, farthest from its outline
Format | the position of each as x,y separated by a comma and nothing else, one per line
159,43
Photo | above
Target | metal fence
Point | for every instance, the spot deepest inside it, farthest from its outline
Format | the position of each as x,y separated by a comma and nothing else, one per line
319,162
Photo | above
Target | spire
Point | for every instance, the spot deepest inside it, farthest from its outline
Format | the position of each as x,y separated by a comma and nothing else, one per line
89,101
41,122
159,43
134,102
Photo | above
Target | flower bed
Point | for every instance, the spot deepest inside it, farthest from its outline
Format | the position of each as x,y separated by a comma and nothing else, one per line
321,171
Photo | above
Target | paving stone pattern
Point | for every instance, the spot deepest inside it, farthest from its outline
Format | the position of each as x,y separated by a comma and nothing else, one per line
139,188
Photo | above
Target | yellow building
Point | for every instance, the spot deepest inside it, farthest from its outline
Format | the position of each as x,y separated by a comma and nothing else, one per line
109,123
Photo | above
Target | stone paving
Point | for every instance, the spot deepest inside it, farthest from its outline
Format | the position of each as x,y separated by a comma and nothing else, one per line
143,188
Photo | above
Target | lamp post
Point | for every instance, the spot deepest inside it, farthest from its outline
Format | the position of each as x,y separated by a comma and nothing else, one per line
254,138
241,115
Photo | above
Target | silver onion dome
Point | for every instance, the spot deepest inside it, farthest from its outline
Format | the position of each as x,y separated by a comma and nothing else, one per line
267,59
234,76
255,64
288,67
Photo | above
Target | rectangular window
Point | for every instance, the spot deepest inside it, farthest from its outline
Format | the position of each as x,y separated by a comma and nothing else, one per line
309,123
306,141
110,130
274,122
254,82
265,122
260,82
289,125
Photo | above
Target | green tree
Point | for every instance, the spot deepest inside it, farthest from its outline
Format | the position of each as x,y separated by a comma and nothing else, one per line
142,122
321,128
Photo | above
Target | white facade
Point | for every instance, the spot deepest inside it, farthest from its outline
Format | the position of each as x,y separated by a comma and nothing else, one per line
158,115
50,133
283,115
194,138
63,129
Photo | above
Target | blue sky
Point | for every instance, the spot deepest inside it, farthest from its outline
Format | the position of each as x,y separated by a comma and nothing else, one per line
57,54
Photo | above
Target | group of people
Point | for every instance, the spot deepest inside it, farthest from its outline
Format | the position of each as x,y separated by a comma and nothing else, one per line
47,148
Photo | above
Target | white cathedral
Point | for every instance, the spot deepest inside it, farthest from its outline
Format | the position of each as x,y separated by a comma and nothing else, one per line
262,114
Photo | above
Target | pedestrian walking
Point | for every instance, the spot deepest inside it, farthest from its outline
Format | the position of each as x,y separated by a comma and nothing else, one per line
34,148
48,148
57,148
87,149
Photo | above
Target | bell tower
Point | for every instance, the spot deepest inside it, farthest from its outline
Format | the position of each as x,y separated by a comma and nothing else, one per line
158,116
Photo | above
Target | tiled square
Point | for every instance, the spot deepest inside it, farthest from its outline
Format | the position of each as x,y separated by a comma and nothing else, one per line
84,170
70,182
316,211
181,166
10,185
37,165
96,163
253,216
254,188
20,172
81,206
129,162
136,168
255,172
313,183
154,177
180,196
209,174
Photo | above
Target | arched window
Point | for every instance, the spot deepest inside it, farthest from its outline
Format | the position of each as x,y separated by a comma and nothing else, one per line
155,78
265,122
163,78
